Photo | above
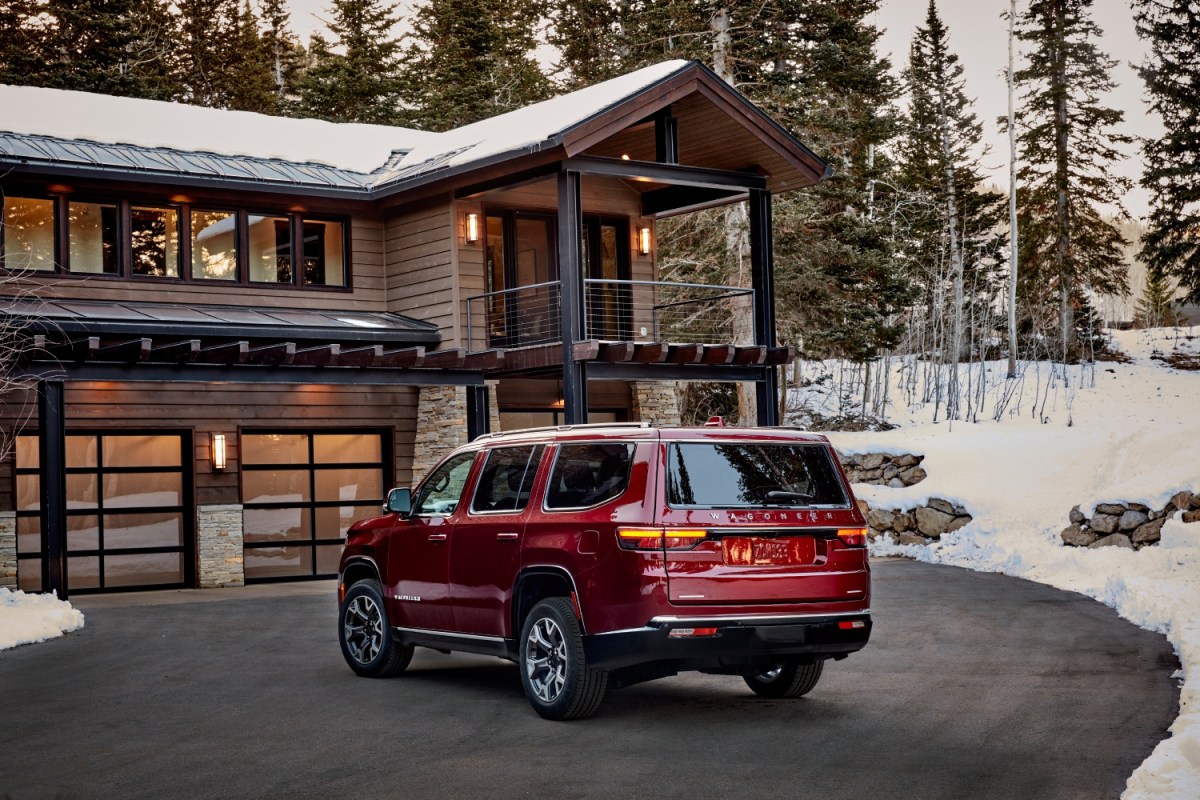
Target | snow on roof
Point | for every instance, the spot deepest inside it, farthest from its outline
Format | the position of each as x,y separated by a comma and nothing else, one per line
82,116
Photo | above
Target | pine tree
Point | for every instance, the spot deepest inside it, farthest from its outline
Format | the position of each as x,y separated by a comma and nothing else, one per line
1068,147
951,222
1172,162
118,47
355,76
286,54
471,59
590,38
247,81
1154,307
222,58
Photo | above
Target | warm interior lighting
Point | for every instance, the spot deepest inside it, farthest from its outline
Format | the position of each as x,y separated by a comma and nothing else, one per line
624,156
472,228
644,241
218,451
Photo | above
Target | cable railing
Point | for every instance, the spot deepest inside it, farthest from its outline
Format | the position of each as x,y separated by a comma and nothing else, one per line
614,310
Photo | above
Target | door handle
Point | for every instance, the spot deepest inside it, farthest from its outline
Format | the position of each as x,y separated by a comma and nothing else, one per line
437,537
507,537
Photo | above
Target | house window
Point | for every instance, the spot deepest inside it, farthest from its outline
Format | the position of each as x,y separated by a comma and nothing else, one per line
214,245
154,236
270,249
27,233
128,522
324,253
92,231
301,491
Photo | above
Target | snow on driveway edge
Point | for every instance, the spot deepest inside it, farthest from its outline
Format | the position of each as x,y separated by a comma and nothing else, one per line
29,618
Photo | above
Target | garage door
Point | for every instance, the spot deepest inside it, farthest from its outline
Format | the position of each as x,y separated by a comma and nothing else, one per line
129,523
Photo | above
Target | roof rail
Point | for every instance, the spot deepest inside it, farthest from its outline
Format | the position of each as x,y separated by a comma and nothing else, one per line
585,425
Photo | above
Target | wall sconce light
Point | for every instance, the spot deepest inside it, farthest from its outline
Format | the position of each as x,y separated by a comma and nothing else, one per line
472,228
644,241
218,451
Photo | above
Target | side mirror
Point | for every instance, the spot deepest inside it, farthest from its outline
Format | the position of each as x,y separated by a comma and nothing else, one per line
399,501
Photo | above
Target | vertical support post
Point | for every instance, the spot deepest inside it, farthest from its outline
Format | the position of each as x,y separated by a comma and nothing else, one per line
52,456
666,138
762,271
570,273
478,416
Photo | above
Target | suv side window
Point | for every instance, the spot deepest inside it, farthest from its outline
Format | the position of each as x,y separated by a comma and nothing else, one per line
507,479
441,491
588,474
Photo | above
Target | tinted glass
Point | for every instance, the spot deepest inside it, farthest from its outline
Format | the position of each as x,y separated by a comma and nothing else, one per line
507,479
28,233
270,249
745,475
93,237
588,474
154,235
440,493
214,245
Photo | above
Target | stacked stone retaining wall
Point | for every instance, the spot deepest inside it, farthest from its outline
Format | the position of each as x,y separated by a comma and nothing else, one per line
1127,524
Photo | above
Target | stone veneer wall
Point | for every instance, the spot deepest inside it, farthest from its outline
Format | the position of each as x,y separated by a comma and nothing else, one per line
441,425
8,549
219,535
656,401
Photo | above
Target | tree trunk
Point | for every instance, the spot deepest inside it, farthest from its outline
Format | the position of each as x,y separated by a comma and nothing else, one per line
1012,203
1062,219
956,265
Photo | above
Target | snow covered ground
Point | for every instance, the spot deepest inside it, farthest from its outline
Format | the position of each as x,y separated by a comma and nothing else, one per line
28,618
1131,433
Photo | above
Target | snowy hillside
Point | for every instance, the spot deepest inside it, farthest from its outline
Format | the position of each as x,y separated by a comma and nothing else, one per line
1134,435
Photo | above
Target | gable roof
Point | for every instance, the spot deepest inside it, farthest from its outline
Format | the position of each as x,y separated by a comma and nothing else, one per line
81,133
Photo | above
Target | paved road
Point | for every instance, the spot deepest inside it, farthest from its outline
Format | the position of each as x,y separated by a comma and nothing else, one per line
974,686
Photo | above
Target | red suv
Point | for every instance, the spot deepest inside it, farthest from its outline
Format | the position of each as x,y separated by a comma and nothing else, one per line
599,556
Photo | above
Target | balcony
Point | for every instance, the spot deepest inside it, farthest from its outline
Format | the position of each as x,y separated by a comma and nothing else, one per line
640,312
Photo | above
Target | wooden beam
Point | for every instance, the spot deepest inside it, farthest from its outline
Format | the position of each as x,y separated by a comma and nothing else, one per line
272,354
615,351
780,355
650,353
685,353
484,359
225,353
184,350
82,349
404,357
754,354
444,359
368,356
130,350
718,354
325,355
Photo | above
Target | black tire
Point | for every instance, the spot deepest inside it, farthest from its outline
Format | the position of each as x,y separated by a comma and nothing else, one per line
790,678
554,671
368,643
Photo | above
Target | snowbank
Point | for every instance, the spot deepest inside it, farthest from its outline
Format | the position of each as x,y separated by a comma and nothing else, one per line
28,618
1133,436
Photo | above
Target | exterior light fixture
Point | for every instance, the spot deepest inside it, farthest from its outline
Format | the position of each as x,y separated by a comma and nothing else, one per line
624,156
218,451
644,241
472,228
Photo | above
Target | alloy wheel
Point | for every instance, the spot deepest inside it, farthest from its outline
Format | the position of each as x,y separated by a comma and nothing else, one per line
364,629
546,659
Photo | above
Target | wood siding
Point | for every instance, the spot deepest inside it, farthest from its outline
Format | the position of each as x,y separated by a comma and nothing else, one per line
420,254
229,409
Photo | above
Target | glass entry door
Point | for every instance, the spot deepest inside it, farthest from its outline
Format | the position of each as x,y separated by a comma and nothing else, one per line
522,278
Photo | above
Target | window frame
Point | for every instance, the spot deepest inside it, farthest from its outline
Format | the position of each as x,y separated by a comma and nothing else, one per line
532,462
125,204
558,448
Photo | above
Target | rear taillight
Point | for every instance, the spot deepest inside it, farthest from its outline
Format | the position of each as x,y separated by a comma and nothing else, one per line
660,538
853,537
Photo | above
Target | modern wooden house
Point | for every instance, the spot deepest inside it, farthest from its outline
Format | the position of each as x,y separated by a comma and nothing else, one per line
239,331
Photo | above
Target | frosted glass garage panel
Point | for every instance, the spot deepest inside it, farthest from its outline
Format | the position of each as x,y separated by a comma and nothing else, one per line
346,448
142,569
275,486
142,489
29,574
83,572
142,451
349,484
279,562
154,529
83,533
333,521
274,448
29,534
276,524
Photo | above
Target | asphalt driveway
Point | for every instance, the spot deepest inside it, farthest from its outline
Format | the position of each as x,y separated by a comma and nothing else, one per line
974,686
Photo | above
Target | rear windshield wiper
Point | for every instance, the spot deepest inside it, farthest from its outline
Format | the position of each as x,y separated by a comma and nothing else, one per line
782,496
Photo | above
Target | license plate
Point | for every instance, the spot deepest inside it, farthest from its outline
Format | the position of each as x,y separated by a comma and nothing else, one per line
750,551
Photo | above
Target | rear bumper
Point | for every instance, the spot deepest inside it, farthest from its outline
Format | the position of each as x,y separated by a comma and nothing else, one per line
736,639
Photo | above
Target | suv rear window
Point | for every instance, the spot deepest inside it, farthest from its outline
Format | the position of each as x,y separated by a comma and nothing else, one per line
507,479
588,474
752,475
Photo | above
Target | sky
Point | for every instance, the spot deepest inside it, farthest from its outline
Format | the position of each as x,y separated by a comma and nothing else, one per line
979,37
